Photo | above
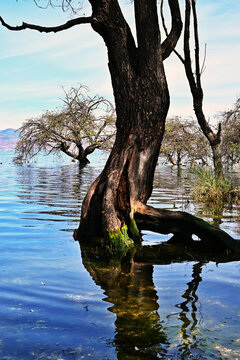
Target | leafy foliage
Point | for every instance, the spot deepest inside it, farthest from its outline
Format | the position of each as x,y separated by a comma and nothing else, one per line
184,141
231,134
83,124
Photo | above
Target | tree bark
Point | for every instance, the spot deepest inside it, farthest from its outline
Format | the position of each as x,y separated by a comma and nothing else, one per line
217,159
142,102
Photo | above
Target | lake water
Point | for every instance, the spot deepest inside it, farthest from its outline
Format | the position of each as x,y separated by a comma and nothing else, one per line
54,305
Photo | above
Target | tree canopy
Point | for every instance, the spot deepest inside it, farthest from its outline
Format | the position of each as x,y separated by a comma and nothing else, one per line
83,124
231,134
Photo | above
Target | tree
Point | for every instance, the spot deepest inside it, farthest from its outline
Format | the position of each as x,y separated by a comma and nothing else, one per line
183,141
194,81
82,125
118,197
230,145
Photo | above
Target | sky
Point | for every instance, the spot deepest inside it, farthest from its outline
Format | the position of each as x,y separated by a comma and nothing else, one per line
34,67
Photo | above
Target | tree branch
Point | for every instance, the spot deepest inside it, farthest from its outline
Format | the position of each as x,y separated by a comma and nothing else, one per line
166,31
187,55
170,42
67,25
196,38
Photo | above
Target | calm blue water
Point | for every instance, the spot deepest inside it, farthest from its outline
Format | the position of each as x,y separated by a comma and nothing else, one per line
52,307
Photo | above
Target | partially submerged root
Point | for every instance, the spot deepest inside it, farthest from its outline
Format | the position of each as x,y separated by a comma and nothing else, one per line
184,225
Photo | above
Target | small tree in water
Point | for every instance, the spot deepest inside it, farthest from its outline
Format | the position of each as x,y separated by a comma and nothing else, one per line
82,125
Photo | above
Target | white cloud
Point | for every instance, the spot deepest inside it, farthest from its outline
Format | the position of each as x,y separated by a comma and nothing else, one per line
38,64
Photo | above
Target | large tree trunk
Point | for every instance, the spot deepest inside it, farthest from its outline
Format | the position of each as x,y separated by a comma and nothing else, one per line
142,102
128,175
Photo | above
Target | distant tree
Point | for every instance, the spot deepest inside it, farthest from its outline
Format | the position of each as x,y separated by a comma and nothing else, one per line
82,125
230,145
184,141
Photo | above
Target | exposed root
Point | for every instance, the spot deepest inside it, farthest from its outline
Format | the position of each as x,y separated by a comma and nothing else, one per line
183,225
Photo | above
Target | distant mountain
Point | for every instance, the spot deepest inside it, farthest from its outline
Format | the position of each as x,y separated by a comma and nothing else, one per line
8,139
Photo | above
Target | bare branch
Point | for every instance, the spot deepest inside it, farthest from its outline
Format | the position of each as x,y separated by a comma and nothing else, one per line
67,25
204,60
65,5
196,39
166,31
170,42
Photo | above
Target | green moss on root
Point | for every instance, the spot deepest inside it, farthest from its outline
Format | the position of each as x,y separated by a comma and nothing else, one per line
134,232
119,240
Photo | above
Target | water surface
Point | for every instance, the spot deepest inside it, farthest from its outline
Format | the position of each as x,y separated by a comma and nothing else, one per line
54,304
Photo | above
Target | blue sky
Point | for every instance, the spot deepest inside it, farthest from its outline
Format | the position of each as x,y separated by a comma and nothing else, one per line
34,66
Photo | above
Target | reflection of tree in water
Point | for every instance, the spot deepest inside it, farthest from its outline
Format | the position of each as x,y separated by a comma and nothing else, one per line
188,313
128,286
64,186
138,327
139,333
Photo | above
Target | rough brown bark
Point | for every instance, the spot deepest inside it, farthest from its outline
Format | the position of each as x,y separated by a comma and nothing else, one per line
142,101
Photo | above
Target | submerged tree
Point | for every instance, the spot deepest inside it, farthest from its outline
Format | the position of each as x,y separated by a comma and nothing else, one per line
81,126
119,195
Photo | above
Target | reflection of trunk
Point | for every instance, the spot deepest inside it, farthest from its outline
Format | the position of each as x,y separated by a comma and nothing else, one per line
188,313
130,290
